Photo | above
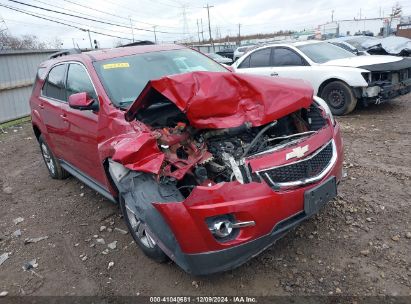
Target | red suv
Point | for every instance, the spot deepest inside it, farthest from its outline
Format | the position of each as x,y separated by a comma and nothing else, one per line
209,167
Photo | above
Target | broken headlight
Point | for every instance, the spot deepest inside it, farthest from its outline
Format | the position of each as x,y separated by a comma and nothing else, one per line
323,105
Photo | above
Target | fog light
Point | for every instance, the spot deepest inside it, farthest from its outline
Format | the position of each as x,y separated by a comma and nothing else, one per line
222,228
226,227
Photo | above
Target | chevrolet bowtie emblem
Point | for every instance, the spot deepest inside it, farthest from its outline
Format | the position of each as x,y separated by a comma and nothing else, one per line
297,152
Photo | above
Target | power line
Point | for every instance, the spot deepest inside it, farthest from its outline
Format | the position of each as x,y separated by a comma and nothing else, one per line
110,14
86,18
75,22
63,23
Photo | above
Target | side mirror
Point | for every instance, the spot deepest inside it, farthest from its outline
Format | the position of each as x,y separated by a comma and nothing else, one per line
82,101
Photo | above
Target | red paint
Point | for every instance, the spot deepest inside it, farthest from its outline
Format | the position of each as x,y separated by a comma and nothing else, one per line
226,100
86,139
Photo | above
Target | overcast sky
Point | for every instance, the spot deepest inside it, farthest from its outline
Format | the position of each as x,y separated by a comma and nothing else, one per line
255,16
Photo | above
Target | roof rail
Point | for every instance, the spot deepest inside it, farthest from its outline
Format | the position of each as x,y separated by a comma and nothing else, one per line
141,42
65,53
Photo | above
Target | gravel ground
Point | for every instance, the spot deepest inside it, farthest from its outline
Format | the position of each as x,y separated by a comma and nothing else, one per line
358,245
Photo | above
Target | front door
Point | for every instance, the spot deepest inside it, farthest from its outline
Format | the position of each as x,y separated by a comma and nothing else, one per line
81,126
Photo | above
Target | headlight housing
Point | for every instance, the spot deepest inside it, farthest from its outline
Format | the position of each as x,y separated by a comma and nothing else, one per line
322,104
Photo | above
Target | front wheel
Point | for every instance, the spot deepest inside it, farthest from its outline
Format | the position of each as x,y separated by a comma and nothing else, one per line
339,97
141,235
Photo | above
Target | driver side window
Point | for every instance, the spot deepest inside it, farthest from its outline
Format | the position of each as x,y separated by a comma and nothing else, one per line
79,81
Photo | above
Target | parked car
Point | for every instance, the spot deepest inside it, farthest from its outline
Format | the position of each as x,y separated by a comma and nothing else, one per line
363,45
209,167
350,46
226,52
338,76
241,50
220,59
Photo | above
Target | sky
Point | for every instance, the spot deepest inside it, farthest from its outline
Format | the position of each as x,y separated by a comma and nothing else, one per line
175,20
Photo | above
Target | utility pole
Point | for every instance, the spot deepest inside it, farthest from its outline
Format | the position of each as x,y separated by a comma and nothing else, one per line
209,25
132,30
202,30
155,35
360,14
198,32
185,23
239,34
89,37
332,16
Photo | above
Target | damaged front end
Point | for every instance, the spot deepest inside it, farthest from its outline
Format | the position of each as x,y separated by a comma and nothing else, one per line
386,81
233,156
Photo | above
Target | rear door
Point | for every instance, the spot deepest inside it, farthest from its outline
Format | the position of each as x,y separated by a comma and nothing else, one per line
52,96
81,126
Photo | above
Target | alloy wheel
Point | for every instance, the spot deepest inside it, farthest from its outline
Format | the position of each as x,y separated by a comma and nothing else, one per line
47,159
140,229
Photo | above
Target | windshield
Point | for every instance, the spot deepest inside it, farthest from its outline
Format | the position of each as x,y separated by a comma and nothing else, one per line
323,52
125,77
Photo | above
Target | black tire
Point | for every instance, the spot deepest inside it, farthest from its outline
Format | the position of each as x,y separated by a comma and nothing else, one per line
339,97
52,164
149,247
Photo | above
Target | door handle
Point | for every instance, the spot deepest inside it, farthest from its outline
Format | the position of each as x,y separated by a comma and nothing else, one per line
41,106
274,74
64,117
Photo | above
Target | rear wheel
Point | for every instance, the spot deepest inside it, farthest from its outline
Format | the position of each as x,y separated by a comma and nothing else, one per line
339,97
141,234
52,164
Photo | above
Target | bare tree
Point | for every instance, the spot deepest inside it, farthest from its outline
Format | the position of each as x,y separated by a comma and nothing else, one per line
396,10
26,42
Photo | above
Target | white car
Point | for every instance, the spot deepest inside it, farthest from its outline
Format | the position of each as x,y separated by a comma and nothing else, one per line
220,59
240,51
338,76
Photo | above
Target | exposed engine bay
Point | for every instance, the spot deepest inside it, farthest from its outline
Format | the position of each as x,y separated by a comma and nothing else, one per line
208,156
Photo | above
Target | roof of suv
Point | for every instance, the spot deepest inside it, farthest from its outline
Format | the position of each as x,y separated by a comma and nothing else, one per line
117,52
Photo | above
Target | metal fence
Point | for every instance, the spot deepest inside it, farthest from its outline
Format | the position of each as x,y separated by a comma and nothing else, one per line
17,73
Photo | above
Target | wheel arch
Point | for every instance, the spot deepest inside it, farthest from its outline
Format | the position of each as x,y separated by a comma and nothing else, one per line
37,131
327,81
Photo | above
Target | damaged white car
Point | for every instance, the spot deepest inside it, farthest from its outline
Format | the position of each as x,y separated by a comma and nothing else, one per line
341,78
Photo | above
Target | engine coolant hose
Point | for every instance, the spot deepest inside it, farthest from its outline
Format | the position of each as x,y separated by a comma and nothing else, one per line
262,131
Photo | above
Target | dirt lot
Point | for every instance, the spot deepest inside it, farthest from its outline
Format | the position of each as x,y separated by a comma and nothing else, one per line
359,244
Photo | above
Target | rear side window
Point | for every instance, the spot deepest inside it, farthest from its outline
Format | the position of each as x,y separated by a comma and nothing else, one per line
79,81
260,58
286,57
54,84
245,64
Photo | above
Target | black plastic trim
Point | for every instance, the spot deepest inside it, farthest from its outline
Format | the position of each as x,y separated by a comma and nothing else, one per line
87,180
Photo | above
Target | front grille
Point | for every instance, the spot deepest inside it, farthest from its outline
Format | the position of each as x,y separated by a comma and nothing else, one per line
301,170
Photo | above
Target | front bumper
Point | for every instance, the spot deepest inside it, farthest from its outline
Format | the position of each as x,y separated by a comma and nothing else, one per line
274,212
376,94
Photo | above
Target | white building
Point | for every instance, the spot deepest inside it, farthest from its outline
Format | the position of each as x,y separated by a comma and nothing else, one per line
349,27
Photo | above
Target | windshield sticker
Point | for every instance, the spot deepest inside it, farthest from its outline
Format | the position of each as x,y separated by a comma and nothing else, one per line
116,65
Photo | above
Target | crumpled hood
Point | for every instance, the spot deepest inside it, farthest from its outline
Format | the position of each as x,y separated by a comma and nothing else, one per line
224,99
359,61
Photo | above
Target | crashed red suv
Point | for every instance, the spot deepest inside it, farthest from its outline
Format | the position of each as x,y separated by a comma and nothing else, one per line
209,167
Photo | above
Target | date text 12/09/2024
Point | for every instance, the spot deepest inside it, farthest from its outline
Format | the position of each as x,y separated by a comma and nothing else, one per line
203,299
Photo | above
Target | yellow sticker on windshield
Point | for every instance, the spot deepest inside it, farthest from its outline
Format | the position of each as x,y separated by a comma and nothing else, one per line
119,65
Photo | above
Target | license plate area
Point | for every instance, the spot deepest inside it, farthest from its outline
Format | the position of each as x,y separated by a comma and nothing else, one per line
318,196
